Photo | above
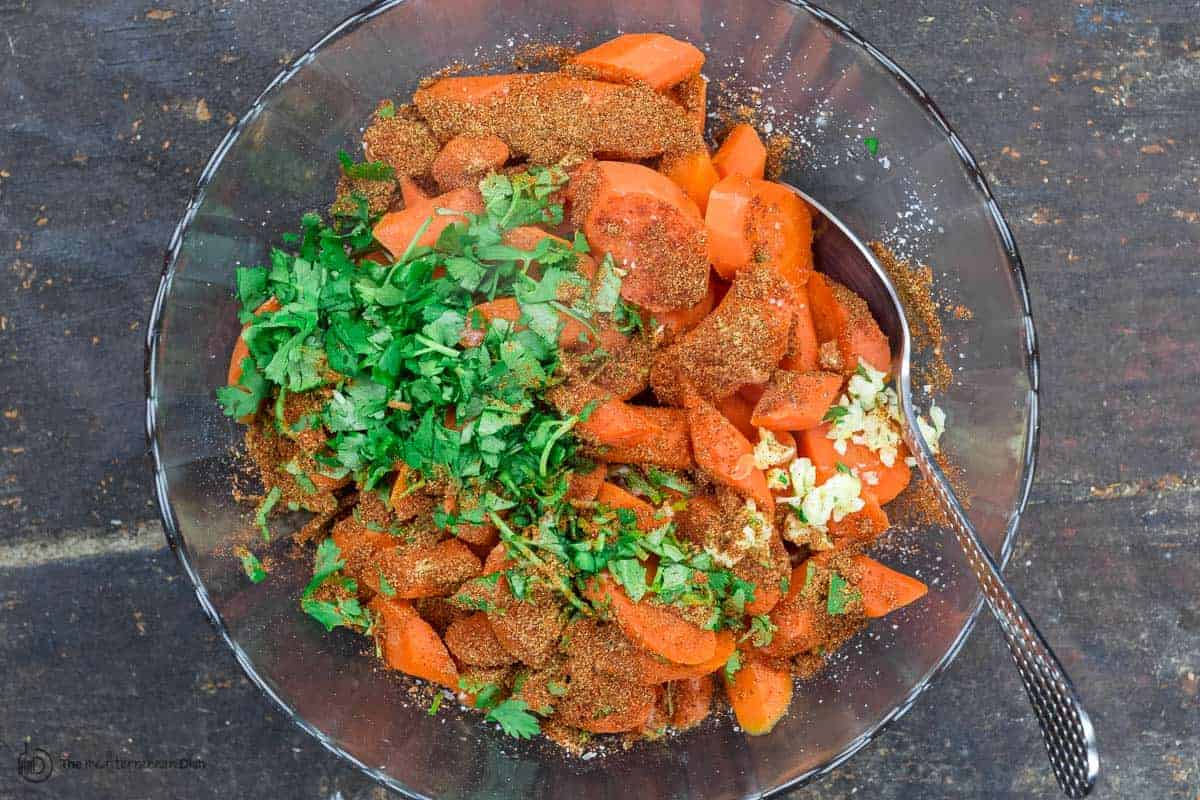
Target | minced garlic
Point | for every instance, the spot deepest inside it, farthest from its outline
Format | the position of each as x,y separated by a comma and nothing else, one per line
770,451
868,415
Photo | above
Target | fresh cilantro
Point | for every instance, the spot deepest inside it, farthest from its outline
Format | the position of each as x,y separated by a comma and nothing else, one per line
385,585
556,689
872,144
386,110
843,468
244,399
370,171
761,631
264,509
345,612
733,664
835,413
251,565
435,705
515,719
785,583
840,595
630,573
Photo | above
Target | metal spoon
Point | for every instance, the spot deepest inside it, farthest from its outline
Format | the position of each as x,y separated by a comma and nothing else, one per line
1070,739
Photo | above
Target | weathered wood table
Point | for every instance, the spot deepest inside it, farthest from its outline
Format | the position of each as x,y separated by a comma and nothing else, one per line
1085,117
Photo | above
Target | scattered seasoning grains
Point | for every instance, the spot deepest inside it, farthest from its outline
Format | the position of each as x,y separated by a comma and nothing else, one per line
779,148
915,285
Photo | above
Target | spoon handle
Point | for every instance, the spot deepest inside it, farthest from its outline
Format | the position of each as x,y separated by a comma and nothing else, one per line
1066,728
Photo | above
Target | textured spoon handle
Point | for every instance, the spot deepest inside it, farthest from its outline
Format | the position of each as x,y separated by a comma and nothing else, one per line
1070,739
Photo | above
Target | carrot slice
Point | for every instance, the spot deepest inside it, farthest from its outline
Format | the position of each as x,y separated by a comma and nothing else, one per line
884,589
884,482
760,694
655,669
725,454
742,153
472,641
796,400
727,220
828,316
692,94
681,320
652,230
694,173
432,571
738,409
841,316
671,445
654,627
632,718
410,644
585,485
795,620
654,59
691,700
397,229
612,422
752,221
464,160
863,526
615,497
469,89
803,346
411,193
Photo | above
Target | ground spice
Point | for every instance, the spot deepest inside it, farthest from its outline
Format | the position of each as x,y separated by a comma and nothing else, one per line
779,147
406,145
919,506
534,54
915,287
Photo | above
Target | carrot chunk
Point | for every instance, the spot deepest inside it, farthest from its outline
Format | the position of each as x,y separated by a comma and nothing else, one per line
397,229
670,447
585,485
653,627
884,589
803,346
615,497
410,644
725,454
760,694
755,221
240,350
884,482
863,526
464,160
656,669
432,571
691,701
841,316
742,153
694,173
654,59
795,401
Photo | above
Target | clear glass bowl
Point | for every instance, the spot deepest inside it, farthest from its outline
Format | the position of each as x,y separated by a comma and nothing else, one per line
819,82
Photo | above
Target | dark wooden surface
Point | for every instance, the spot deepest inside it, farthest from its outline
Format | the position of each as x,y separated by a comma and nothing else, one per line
1085,117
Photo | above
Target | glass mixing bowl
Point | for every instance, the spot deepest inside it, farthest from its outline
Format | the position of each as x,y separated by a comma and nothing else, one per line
812,78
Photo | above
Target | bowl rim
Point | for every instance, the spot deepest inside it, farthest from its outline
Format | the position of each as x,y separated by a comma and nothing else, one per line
154,331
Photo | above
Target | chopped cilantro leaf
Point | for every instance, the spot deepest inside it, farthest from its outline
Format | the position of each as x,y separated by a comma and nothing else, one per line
835,413
872,144
251,565
515,719
733,664
435,705
264,509
371,171
840,595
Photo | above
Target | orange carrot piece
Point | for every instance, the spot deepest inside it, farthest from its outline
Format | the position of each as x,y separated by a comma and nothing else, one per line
760,694
654,59
795,620
742,153
681,320
396,229
432,571
629,719
884,482
410,644
725,454
472,641
862,340
465,160
828,316
841,316
651,228
727,220
654,627
466,89
694,173
411,193
528,237
670,446
781,231
738,409
691,702
884,589
655,669
796,400
583,486
863,526
615,497
497,560
803,347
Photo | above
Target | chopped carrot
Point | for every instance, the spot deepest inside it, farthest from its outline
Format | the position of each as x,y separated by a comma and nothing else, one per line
828,316
692,94
483,534
727,220
653,59
411,193
654,627
841,316
884,482
742,153
863,526
670,446
760,694
397,229
612,422
656,669
466,89
691,701
615,497
629,719
796,400
862,340
528,237
432,571
725,454
410,644
781,231
803,346
472,641
406,504
585,485
465,160
497,560
738,410
795,620
681,320
694,173
358,545
884,589
651,228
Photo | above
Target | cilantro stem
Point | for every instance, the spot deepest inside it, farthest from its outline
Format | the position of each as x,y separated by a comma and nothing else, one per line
523,548
408,251
562,308
433,346
563,427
